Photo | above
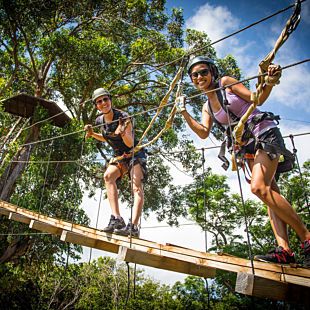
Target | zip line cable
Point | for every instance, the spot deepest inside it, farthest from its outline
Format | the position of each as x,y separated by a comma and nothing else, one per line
219,40
300,174
186,55
225,104
166,105
98,211
156,153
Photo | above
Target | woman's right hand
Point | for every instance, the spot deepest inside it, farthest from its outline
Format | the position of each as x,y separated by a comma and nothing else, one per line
89,130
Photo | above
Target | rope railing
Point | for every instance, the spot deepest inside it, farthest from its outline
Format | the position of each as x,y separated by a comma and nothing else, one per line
152,154
168,104
185,55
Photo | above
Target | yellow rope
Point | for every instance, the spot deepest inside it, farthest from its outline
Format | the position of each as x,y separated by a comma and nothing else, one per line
291,24
169,121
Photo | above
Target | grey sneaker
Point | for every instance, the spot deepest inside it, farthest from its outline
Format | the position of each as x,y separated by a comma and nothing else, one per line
130,228
114,224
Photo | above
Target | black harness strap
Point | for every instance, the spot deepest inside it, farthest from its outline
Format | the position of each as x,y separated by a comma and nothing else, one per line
284,166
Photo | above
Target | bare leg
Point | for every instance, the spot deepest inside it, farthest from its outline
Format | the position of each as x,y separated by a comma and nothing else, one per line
110,176
136,174
278,226
262,175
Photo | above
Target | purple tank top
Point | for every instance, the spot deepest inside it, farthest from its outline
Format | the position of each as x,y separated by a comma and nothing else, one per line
239,106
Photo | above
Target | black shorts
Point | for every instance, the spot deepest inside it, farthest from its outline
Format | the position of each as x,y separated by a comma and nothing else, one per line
273,137
272,143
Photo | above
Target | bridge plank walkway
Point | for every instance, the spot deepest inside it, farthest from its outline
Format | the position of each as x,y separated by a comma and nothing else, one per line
274,281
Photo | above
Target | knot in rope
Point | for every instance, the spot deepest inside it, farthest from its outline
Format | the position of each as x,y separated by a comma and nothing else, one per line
290,26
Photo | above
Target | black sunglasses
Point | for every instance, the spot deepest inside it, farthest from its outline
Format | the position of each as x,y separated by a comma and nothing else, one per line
105,99
202,72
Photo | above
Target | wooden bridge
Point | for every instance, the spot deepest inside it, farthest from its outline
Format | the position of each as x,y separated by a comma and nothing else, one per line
289,283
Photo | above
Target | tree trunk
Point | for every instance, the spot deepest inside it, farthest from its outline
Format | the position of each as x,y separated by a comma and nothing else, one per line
15,250
16,168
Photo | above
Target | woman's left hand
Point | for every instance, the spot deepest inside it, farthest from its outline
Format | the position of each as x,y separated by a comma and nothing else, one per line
274,75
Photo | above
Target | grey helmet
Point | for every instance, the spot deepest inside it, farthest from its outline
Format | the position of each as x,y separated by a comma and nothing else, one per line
100,92
206,60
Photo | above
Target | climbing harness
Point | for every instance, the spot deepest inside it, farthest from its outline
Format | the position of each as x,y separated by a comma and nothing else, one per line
169,121
290,26
239,149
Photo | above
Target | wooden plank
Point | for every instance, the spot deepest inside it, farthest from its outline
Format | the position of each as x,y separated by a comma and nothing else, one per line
99,239
19,218
253,285
72,237
294,279
162,262
34,224
4,212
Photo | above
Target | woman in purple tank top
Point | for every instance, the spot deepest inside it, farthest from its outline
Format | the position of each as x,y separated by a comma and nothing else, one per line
264,164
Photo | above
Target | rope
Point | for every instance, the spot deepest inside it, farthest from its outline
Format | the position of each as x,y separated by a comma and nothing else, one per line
169,121
153,153
215,42
263,67
91,249
167,105
45,177
225,104
75,202
300,174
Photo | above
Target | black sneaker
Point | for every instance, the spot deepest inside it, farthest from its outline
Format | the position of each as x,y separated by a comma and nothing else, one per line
278,256
129,228
306,251
114,224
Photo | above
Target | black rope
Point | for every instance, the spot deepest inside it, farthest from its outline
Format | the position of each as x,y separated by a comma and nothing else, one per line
131,206
45,177
300,175
203,160
128,285
205,214
75,202
99,206
225,104
154,153
132,176
168,104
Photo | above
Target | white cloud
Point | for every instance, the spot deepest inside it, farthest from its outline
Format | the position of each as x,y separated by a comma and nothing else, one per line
217,22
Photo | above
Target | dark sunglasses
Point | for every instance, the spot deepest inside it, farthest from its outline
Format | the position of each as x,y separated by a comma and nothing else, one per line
202,72
105,99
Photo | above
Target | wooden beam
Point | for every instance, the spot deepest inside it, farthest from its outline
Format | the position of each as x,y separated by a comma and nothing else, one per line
72,237
163,262
92,237
18,218
252,285
34,224
4,212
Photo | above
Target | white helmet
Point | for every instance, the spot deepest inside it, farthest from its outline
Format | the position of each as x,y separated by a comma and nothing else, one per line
100,92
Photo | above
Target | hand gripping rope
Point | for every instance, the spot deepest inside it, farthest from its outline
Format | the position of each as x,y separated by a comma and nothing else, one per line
290,26
169,121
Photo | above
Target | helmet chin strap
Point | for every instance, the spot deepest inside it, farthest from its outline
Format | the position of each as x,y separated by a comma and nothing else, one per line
108,112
